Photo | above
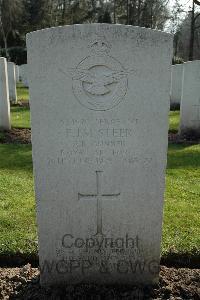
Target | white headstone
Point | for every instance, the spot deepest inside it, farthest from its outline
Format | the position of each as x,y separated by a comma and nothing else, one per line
176,84
24,74
12,82
17,72
190,101
20,73
4,96
99,114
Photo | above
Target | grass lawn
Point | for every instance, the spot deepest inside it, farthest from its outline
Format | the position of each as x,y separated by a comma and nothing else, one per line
181,232
174,117
22,92
20,116
17,209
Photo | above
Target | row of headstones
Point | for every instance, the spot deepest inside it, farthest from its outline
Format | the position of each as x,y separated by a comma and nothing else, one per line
10,74
185,91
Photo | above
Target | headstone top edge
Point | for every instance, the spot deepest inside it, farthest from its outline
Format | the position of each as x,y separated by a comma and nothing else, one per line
11,63
197,61
178,65
98,26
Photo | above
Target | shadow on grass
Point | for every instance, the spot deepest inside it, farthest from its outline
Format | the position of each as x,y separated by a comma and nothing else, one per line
175,107
181,260
178,260
14,157
183,156
22,87
19,109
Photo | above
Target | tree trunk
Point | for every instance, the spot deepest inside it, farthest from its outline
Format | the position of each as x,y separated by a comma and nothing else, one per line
176,40
6,48
191,49
138,12
63,12
127,11
4,40
114,12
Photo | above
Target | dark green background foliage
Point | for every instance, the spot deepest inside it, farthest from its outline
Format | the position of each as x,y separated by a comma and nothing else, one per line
18,17
177,60
17,54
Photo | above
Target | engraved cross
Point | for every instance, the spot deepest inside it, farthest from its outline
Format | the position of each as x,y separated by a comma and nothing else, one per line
98,196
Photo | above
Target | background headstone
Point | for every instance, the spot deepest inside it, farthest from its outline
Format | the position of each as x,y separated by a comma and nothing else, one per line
17,73
12,82
99,114
176,84
190,101
4,96
20,73
24,74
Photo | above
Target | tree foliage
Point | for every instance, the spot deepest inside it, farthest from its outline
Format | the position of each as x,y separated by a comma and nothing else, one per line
18,17
182,38
10,14
187,30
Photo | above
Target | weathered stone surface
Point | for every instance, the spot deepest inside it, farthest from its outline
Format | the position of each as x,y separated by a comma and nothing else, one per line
12,82
4,96
190,101
99,109
176,84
